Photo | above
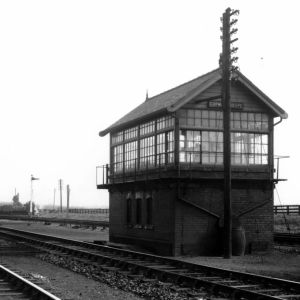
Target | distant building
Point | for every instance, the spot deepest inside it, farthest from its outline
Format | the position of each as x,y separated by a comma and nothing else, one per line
165,176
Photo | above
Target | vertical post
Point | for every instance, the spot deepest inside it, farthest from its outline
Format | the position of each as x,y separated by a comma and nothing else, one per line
60,191
31,196
226,89
54,199
107,173
68,199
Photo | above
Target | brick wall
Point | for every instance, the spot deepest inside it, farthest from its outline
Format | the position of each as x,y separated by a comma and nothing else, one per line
198,232
184,228
159,236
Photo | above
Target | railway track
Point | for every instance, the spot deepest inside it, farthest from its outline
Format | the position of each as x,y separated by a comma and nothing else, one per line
183,275
15,286
287,238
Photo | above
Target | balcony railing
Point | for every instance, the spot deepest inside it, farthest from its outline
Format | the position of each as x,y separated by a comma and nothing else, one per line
117,173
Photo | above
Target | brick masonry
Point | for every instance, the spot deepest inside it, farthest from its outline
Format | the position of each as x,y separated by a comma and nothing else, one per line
181,227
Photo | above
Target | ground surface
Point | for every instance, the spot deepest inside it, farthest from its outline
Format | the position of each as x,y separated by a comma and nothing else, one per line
65,284
277,264
82,234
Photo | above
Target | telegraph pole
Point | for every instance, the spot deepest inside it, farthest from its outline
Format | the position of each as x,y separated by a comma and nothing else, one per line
227,69
60,191
68,199
54,199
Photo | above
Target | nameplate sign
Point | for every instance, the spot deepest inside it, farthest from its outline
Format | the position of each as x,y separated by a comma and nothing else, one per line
218,104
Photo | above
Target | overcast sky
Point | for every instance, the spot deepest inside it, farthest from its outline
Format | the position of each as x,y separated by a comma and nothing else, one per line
69,69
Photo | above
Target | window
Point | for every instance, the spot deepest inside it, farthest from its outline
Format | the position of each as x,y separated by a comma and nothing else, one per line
149,211
249,148
118,158
201,118
190,144
212,147
213,119
147,128
205,147
138,216
170,147
147,152
129,210
131,156
249,121
130,133
117,137
145,146
161,149
165,148
165,122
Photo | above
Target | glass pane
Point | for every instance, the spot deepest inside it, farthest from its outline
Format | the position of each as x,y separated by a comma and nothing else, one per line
264,159
205,158
182,156
190,121
190,113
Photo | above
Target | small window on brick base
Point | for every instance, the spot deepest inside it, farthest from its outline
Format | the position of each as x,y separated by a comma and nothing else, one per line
129,210
138,211
149,211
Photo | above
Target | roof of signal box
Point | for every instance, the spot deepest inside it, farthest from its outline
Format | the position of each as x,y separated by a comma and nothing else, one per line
173,99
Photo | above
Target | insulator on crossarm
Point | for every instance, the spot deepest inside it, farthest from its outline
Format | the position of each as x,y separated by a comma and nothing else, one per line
234,50
234,12
234,59
234,40
233,31
234,68
233,22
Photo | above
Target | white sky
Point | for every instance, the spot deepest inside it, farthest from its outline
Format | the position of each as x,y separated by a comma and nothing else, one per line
69,69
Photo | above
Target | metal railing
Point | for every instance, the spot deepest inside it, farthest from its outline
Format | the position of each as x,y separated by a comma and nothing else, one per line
132,170
114,174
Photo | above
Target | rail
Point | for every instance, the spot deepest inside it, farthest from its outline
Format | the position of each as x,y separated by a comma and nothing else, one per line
23,286
186,276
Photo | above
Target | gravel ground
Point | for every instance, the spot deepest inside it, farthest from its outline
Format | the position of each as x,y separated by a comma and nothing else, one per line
64,283
276,264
